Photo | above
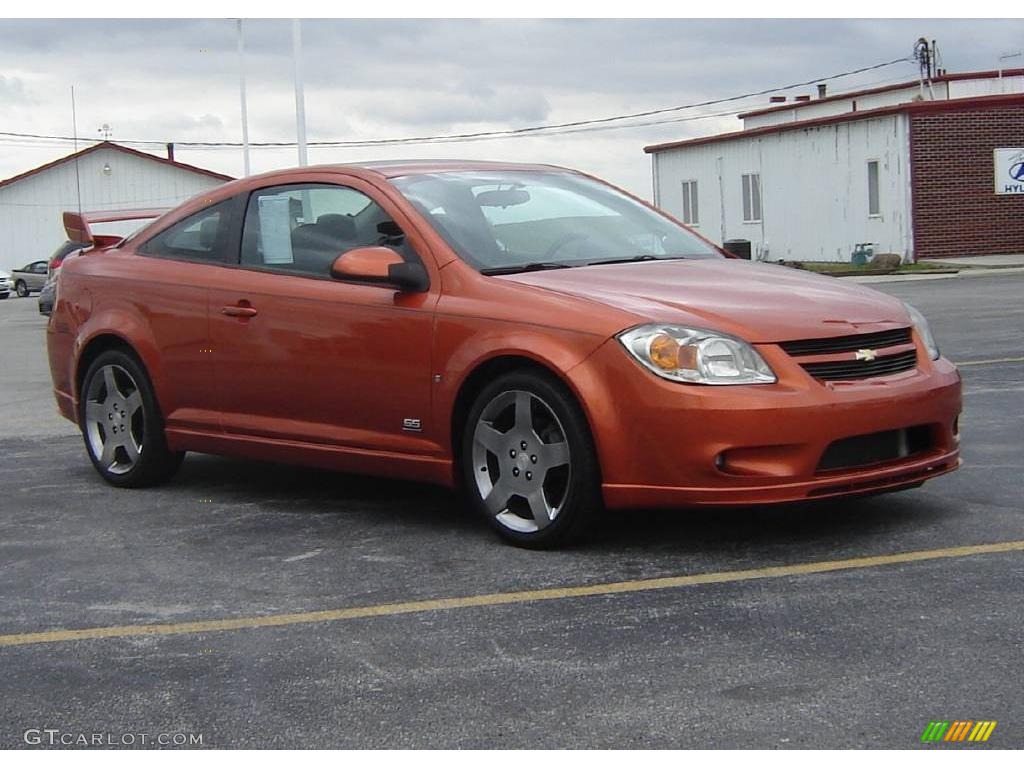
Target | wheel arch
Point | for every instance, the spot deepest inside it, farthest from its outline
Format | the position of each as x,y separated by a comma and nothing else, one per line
96,346
486,371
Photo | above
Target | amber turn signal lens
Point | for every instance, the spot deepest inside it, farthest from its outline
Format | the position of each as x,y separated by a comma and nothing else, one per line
664,352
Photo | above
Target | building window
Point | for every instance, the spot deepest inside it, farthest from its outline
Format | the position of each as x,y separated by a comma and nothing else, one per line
751,197
691,213
874,205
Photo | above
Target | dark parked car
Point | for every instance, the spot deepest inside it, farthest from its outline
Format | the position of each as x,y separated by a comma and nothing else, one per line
47,296
65,248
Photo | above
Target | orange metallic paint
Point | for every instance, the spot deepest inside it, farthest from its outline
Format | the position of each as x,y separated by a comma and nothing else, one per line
325,372
370,263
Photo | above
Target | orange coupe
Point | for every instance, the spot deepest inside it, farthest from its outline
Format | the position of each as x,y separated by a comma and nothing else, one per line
539,338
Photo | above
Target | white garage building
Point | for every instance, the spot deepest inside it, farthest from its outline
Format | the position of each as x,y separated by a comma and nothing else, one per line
907,168
110,176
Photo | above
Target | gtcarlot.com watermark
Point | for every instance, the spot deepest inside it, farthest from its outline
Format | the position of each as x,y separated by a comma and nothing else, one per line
54,737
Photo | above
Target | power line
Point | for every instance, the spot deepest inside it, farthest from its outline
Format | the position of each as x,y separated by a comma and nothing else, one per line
546,129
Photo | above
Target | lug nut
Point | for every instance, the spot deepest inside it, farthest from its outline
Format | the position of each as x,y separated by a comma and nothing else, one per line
529,475
515,471
523,445
512,453
533,459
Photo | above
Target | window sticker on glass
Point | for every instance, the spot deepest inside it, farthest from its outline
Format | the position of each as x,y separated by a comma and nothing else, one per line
275,229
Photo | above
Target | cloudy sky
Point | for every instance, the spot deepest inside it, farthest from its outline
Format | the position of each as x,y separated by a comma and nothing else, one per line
177,80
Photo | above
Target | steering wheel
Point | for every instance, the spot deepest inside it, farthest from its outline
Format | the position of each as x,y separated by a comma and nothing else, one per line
563,241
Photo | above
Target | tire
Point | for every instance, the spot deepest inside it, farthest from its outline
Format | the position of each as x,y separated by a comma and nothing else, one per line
545,494
123,429
21,288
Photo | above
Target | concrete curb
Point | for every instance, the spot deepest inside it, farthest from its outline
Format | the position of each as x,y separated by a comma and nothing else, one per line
969,272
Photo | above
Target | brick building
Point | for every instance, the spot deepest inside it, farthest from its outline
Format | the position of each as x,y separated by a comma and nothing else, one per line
925,170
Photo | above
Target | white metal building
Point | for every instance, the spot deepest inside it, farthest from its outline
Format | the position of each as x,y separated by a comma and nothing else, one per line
808,180
109,176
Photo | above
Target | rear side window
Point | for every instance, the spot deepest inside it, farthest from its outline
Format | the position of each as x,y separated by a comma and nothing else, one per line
303,228
202,236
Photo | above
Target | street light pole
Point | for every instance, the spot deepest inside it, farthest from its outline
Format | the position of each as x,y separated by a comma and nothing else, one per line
300,99
241,88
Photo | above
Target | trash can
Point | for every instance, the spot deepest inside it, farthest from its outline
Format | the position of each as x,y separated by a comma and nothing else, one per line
738,248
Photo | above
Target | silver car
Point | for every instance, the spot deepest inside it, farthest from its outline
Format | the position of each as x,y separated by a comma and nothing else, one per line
6,285
31,277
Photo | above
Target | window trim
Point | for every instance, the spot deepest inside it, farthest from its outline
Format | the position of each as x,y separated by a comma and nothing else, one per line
691,203
749,192
877,214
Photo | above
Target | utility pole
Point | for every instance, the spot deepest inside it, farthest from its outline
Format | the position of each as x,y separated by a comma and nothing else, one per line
300,99
241,90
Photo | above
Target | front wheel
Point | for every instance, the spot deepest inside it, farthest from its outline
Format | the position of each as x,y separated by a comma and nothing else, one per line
21,288
121,424
529,465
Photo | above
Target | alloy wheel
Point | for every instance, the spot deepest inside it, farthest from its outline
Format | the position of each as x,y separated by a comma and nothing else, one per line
114,419
521,461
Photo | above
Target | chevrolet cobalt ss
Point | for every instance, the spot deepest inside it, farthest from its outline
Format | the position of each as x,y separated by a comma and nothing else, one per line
545,341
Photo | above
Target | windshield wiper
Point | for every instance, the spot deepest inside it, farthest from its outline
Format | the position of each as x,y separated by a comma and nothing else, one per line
626,259
533,266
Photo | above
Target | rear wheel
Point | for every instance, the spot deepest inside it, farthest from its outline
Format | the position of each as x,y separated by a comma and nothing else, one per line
21,288
529,465
121,424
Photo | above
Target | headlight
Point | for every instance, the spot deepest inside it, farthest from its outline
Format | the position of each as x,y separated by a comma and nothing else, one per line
695,355
921,325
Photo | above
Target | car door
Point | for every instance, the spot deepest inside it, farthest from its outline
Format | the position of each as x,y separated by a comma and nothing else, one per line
36,275
167,286
305,358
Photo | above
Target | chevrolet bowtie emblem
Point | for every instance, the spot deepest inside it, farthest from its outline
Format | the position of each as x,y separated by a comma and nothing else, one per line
865,354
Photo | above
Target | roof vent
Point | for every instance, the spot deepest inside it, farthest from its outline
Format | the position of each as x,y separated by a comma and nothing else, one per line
777,100
822,89
801,98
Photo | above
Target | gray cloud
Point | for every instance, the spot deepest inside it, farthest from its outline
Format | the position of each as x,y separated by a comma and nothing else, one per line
178,79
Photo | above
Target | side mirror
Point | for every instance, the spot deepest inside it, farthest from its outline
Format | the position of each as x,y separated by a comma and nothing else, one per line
377,264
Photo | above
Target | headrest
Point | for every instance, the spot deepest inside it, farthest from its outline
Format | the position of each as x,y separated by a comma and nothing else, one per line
208,231
338,225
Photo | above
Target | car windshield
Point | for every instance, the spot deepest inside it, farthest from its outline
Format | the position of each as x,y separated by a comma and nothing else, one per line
506,221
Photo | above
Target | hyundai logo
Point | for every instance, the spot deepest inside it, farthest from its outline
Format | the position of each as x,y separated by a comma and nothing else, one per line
1017,171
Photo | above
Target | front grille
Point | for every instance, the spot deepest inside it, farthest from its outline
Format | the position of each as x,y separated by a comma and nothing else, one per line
844,370
878,340
876,448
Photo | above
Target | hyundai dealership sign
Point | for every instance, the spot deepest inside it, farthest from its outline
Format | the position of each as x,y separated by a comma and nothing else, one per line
1010,171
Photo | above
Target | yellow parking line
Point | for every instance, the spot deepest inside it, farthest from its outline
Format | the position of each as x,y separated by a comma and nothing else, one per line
990,362
504,598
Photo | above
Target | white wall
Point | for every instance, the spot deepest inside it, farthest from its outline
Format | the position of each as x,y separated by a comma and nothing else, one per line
30,210
814,189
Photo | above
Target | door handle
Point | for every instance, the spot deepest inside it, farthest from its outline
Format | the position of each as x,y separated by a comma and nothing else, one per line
239,311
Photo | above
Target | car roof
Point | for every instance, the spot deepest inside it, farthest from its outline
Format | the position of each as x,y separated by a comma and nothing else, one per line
390,169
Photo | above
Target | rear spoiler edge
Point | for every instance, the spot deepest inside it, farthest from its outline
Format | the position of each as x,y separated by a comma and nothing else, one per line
76,223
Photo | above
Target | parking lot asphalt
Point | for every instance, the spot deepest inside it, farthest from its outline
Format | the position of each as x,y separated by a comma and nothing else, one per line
862,655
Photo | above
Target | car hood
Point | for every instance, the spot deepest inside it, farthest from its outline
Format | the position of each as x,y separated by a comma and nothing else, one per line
757,302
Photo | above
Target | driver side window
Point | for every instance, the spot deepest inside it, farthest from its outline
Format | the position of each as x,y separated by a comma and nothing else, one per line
303,228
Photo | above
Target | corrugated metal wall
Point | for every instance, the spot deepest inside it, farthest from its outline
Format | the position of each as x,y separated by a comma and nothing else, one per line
30,210
814,185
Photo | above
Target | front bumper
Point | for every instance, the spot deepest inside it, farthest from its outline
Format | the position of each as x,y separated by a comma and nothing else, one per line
663,444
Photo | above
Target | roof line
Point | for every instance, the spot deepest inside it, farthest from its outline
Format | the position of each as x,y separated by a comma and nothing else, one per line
948,77
119,148
941,105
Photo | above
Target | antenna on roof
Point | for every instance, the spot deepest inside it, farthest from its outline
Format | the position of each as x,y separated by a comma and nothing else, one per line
74,134
923,53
